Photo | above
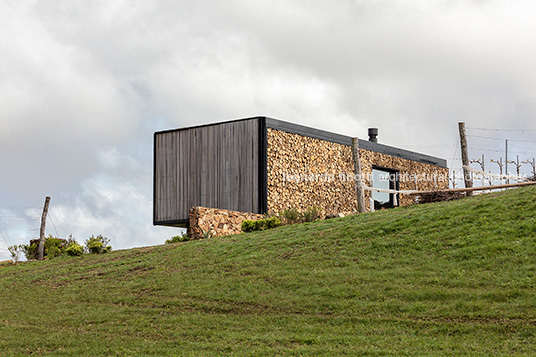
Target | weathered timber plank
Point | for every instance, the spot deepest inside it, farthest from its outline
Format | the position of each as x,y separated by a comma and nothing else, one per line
213,166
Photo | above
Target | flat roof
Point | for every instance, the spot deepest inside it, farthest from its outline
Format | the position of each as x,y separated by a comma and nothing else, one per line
333,137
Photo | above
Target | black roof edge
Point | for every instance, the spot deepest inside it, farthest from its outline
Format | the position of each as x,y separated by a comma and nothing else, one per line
402,153
332,137
308,131
347,140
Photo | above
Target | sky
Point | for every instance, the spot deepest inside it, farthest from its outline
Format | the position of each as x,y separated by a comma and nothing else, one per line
85,84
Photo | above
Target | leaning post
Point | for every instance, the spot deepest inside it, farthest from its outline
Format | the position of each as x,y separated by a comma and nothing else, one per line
41,248
465,158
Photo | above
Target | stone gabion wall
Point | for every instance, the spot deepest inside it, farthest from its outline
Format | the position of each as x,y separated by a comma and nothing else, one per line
305,172
219,222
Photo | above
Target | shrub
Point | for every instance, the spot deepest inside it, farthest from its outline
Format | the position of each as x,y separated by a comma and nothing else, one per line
272,222
98,245
177,239
248,226
261,224
311,214
206,234
74,249
291,216
30,251
15,251
54,246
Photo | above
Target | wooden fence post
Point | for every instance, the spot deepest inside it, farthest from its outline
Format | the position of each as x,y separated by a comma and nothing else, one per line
465,158
533,164
41,248
357,176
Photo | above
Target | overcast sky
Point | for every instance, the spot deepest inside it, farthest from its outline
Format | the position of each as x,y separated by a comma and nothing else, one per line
84,84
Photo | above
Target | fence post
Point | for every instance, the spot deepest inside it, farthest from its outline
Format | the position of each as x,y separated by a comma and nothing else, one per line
465,158
358,179
41,248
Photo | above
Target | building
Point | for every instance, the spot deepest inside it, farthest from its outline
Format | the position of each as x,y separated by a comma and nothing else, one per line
263,165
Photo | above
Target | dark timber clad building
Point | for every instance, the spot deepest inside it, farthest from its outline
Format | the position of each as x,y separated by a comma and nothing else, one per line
240,165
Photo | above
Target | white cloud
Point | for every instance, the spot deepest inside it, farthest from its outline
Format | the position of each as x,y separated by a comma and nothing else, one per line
84,84
54,88
113,207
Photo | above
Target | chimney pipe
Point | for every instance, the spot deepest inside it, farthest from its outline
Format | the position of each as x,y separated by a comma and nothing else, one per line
373,135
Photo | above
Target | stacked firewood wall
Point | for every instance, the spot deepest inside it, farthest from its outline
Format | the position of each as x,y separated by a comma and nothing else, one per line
303,173
306,172
413,175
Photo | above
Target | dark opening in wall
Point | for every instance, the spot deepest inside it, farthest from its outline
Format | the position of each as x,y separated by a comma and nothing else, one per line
386,179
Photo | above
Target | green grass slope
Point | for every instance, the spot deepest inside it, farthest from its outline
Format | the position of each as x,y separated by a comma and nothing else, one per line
453,278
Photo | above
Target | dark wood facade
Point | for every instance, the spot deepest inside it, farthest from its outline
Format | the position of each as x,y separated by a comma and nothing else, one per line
223,165
212,166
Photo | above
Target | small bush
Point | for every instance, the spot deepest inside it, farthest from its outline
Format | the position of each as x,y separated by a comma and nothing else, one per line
98,245
206,234
15,251
177,239
74,249
272,222
30,251
54,246
94,246
261,224
248,226
311,214
291,216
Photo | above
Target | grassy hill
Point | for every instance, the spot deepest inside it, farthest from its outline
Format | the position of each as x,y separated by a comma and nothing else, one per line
449,278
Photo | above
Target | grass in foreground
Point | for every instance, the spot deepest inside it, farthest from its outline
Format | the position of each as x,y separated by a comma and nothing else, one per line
451,278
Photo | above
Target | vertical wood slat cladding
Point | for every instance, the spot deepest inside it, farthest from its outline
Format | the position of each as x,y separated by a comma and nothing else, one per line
211,166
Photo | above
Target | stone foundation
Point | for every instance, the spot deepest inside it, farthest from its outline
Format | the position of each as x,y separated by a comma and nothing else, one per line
218,222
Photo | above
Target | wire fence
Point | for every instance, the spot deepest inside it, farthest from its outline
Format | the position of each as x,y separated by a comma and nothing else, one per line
18,225
499,156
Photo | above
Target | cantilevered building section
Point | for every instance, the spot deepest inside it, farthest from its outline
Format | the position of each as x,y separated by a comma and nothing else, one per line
264,165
